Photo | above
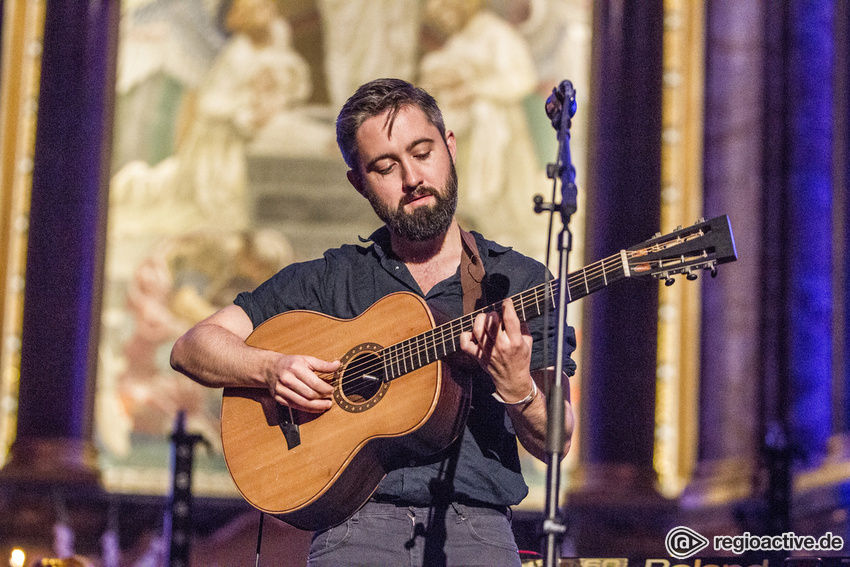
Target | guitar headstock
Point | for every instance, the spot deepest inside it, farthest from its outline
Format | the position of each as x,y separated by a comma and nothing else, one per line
701,246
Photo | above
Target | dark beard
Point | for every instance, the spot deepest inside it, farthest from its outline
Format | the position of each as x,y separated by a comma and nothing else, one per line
424,223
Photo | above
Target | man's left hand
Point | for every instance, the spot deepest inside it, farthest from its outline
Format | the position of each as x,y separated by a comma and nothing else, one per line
501,344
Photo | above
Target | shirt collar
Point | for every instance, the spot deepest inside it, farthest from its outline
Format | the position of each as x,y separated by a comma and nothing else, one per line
381,241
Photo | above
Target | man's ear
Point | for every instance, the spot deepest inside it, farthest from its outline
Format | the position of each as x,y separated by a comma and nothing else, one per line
451,144
355,180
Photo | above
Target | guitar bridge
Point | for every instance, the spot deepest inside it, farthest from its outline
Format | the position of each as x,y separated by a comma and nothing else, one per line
286,422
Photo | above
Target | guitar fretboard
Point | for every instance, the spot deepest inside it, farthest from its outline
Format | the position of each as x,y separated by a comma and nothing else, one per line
443,340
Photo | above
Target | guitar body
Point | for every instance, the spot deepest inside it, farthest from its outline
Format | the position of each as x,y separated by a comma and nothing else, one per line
373,425
393,398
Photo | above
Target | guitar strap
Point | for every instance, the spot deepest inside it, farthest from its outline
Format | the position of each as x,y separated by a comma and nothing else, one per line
471,273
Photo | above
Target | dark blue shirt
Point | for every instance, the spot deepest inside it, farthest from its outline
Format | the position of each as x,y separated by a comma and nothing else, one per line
348,280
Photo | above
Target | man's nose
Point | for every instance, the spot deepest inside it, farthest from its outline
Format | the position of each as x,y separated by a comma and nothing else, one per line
412,176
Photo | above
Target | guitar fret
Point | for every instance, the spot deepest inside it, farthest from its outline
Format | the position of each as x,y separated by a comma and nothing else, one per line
434,344
397,360
408,357
426,356
424,350
384,357
403,359
435,341
386,363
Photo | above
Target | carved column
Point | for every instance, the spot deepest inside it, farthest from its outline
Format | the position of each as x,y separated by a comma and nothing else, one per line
808,199
65,250
731,365
767,320
622,209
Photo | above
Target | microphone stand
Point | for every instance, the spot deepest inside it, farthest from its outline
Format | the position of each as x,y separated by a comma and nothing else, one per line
560,108
177,528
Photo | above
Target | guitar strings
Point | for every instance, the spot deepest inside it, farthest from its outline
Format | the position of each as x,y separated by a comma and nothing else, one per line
407,355
411,350
401,353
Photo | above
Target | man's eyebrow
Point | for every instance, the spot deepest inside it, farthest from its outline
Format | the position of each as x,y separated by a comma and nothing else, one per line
419,141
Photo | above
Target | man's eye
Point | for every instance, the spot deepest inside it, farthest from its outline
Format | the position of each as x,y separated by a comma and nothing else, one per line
384,170
423,155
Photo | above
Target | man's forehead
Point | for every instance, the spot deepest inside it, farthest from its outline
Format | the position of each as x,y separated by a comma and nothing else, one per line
412,115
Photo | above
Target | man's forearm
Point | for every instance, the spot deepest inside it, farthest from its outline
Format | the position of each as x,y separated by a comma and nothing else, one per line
530,421
215,357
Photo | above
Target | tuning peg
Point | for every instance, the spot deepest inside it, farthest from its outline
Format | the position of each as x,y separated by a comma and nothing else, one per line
691,276
714,271
669,281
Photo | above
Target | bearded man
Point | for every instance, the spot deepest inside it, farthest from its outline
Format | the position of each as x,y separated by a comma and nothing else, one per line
452,507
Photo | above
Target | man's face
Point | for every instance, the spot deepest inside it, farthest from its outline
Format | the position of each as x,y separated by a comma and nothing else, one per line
407,173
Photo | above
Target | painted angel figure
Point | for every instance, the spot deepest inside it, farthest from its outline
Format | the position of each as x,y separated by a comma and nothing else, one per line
480,77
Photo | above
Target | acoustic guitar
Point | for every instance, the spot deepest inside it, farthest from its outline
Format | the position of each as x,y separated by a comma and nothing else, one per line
393,398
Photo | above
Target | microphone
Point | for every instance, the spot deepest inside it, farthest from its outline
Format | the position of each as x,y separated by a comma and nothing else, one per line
560,108
555,103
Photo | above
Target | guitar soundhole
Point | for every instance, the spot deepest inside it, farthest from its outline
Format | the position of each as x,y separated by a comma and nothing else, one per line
360,382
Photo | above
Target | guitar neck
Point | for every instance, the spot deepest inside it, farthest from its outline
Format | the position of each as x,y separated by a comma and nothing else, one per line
444,340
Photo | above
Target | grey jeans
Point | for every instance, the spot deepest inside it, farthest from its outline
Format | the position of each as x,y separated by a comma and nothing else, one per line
383,534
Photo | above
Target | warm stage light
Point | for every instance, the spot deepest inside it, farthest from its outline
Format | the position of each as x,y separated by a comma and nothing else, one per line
17,559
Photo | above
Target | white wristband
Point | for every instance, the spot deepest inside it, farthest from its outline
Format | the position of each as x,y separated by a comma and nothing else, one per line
525,400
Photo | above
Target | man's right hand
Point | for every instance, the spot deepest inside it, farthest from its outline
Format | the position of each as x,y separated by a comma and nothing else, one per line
214,354
301,382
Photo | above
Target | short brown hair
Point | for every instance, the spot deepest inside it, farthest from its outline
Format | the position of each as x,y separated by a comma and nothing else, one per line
375,98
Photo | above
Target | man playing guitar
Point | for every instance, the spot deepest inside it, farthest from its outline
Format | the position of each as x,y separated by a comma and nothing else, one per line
447,508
